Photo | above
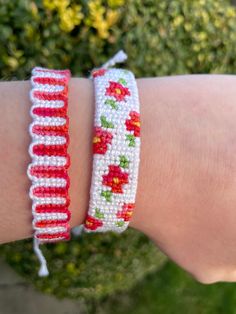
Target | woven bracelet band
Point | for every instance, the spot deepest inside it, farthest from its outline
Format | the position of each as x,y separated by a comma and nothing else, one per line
50,160
116,150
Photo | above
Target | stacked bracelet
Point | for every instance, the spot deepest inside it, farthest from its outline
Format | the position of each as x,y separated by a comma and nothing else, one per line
116,149
50,160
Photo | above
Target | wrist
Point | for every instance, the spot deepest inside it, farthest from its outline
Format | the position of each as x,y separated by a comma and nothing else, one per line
81,115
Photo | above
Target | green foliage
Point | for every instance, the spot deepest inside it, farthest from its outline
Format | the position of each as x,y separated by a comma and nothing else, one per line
179,37
91,266
171,291
160,37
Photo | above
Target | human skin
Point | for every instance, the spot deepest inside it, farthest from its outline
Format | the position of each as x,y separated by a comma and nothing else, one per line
186,197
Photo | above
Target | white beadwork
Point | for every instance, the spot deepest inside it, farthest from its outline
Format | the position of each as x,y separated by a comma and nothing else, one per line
118,148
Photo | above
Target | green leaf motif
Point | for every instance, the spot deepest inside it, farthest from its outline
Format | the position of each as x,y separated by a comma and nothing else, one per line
98,213
120,223
131,139
122,81
111,103
106,124
107,195
124,162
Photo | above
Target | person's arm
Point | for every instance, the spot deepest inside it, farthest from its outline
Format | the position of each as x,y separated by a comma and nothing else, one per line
186,198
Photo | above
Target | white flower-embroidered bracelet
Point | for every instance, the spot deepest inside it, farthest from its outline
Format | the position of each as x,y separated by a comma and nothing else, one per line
50,159
116,151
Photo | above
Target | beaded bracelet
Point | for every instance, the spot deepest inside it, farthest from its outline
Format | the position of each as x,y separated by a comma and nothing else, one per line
50,160
116,150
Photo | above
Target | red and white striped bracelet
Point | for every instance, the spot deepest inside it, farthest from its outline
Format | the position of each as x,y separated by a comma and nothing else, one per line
50,159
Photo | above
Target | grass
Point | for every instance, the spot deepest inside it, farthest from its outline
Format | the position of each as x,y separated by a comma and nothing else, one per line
172,291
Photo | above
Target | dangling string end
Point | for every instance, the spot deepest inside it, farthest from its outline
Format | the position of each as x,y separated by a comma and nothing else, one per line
119,57
43,271
77,231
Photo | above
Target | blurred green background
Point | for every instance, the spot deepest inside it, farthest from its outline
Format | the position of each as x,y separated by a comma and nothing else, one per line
110,273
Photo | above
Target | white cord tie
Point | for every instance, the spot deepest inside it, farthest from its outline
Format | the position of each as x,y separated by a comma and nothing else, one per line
43,271
119,57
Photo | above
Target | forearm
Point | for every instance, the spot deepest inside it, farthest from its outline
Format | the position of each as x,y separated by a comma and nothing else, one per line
188,148
187,189
178,165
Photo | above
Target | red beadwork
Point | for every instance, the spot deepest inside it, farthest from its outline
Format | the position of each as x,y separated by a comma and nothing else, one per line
50,80
42,191
50,112
51,223
99,72
60,130
117,90
50,150
115,179
126,212
49,172
49,237
101,139
133,124
92,223
50,208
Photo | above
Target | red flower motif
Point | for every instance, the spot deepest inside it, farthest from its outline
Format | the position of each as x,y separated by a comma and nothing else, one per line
126,212
99,72
101,139
115,179
133,124
92,223
117,90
